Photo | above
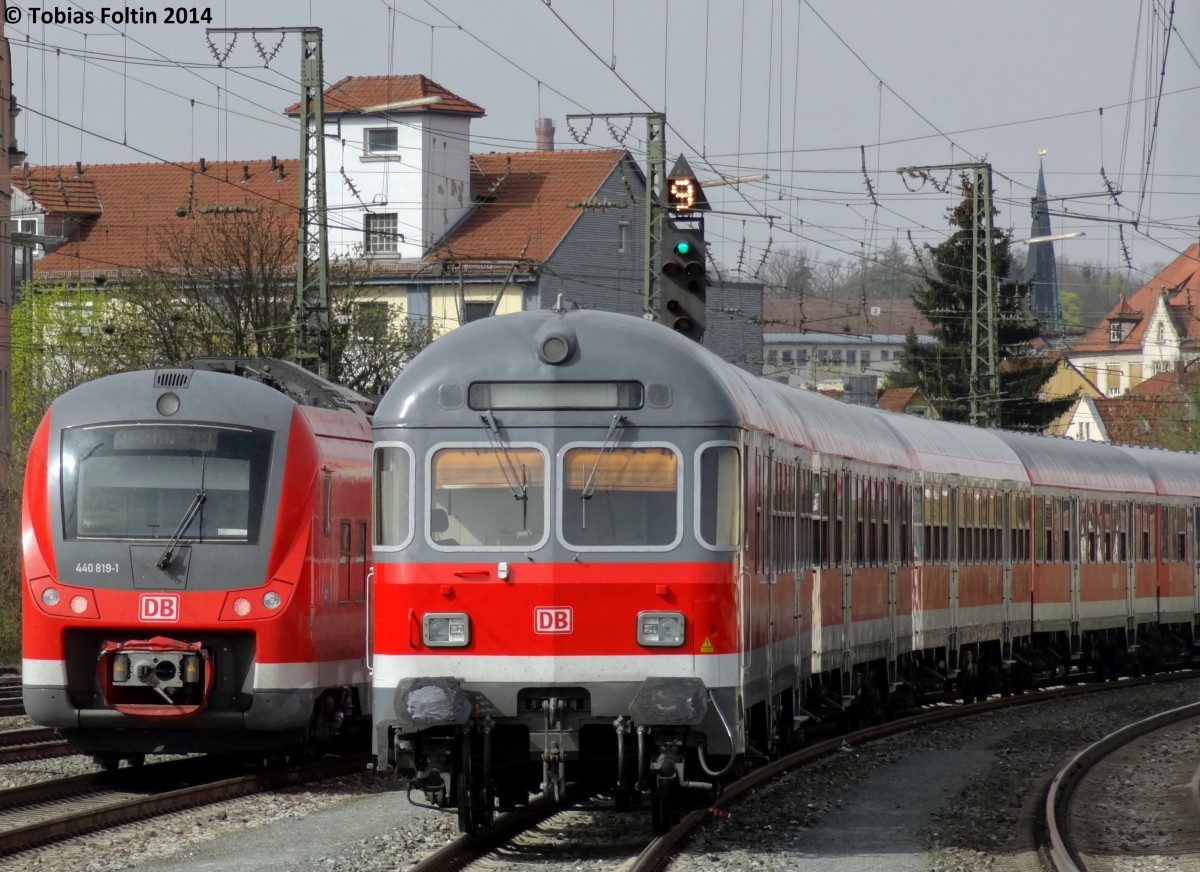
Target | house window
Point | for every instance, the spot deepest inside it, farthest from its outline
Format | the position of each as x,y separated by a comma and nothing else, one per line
1162,333
772,355
381,141
475,310
866,357
883,355
787,356
371,320
381,233
1114,331
802,355
837,355
852,357
622,237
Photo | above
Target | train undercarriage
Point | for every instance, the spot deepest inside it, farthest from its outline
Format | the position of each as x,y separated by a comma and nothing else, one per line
489,764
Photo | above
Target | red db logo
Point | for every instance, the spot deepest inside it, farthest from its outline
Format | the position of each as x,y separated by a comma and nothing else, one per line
552,619
159,607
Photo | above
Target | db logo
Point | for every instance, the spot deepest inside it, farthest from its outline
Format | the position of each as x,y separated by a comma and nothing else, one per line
159,607
552,619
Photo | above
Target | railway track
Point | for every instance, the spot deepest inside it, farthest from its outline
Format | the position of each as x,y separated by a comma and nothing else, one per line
10,696
51,811
544,830
1131,793
36,743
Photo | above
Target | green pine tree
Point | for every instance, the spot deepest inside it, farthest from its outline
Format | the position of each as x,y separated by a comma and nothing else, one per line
942,370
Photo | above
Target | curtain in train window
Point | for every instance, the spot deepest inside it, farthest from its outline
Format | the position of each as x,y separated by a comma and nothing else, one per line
491,496
620,497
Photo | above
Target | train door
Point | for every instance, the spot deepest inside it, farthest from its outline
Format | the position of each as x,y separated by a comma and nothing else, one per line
955,555
1129,553
1008,555
1075,536
891,545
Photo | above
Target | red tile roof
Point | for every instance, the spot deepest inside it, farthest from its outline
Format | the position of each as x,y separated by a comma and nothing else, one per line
821,315
1180,280
133,205
63,191
356,93
525,202
896,399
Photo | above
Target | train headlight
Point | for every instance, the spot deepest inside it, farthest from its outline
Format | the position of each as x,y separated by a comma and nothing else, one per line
241,607
446,629
79,604
661,629
50,596
271,599
120,669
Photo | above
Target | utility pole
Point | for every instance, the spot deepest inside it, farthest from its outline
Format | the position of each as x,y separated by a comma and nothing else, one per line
655,206
313,340
985,372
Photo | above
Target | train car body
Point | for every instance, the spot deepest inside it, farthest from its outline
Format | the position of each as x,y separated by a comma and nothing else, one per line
604,554
195,560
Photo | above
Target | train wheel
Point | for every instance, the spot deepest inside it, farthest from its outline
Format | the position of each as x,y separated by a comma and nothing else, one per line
664,812
475,797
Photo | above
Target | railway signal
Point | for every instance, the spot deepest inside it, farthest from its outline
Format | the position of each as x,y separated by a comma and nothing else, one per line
684,282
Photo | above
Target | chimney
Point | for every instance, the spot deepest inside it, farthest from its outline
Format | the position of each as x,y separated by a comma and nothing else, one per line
78,168
203,166
274,163
245,173
543,132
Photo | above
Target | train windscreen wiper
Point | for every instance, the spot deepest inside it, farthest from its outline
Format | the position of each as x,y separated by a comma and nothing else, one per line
516,481
188,516
589,485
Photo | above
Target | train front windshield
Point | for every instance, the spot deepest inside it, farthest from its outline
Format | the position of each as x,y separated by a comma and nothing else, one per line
141,481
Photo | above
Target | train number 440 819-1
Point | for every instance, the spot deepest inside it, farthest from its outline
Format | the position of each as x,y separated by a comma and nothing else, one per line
97,567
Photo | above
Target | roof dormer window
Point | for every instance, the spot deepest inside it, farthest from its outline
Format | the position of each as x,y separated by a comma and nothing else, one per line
381,142
1115,334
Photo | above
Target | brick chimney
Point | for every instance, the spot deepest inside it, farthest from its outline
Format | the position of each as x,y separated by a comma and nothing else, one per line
544,134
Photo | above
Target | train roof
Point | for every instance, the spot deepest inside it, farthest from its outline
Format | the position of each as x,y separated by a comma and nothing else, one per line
609,347
1065,463
1174,472
705,390
304,387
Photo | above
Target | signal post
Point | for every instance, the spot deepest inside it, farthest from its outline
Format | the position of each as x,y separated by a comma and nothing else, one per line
683,273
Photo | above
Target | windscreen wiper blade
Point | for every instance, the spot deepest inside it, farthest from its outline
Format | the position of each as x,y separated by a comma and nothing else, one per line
190,515
515,480
589,486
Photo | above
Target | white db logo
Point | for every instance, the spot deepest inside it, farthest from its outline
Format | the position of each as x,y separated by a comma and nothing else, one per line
159,607
552,619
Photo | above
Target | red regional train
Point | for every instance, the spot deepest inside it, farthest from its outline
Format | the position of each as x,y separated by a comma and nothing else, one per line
195,561
604,555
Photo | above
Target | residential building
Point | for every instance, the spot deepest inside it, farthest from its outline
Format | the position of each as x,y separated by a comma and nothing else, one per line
816,342
447,236
1154,330
906,401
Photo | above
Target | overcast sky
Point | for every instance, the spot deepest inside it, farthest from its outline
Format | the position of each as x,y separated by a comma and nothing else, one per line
826,97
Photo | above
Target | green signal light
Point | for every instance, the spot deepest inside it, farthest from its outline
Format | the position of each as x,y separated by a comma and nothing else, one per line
683,247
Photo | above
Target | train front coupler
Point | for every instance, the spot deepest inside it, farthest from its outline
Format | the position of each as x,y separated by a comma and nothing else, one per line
155,679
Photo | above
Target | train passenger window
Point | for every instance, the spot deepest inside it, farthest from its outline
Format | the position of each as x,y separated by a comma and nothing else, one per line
718,516
493,496
393,498
142,482
620,497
